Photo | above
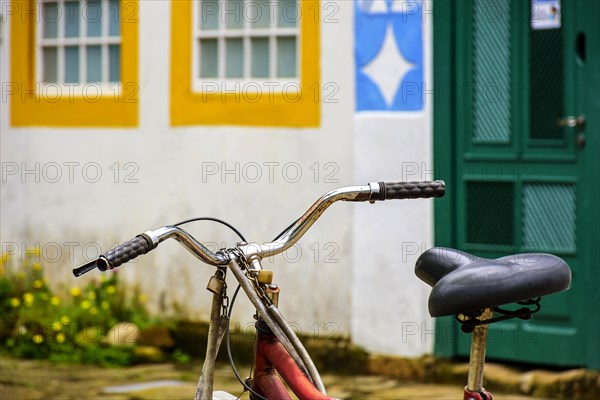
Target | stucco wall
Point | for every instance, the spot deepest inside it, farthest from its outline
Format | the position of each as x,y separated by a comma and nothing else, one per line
389,303
360,284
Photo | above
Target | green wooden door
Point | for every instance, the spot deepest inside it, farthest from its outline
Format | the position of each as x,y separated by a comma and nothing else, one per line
521,179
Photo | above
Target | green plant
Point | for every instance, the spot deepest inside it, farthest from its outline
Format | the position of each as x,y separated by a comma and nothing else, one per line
180,357
69,326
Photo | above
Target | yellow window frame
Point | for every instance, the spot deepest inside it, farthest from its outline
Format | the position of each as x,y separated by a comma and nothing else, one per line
302,109
33,107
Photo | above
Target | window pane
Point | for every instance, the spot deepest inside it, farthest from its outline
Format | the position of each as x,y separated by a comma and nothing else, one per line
209,58
258,14
288,13
50,16
260,57
71,64
209,14
50,64
114,65
114,18
234,64
72,18
286,57
233,14
93,16
94,64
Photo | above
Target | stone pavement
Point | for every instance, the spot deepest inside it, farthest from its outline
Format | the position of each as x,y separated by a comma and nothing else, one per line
31,380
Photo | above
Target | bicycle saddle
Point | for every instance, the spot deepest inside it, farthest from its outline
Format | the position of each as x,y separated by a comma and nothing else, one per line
464,283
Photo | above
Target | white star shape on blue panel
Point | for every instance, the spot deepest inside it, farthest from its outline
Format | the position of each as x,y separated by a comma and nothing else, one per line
388,68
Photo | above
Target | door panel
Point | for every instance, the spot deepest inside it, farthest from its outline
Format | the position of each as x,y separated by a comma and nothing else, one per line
519,177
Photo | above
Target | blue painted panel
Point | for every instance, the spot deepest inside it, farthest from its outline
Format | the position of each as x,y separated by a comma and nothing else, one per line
389,75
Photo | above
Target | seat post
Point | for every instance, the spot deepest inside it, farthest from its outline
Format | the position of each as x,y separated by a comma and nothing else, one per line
477,357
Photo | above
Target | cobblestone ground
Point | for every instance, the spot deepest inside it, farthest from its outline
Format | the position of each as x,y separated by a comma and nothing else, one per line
20,379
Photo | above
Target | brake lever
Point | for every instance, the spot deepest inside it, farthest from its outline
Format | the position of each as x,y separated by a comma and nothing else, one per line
85,268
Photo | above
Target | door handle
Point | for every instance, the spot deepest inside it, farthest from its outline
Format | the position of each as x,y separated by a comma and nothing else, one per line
571,122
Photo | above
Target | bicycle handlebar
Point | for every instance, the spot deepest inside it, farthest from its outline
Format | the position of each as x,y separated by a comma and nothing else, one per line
141,244
375,191
411,190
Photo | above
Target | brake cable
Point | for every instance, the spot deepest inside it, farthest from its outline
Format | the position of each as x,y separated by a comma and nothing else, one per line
230,308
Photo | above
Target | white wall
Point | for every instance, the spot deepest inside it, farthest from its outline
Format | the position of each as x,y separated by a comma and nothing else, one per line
365,290
389,303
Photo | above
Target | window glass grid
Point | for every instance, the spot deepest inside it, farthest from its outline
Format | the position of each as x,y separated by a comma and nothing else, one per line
224,21
69,21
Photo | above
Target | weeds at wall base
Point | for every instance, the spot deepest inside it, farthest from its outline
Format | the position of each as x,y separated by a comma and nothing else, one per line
75,325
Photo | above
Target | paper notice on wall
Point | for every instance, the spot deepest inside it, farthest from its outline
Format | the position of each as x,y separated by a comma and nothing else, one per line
545,14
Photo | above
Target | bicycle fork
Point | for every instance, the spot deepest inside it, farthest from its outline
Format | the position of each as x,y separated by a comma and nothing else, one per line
474,389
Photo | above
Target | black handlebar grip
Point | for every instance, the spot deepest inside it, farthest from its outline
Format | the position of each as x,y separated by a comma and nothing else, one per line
411,190
122,253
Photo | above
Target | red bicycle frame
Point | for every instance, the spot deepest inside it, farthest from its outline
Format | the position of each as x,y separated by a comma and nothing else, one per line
271,361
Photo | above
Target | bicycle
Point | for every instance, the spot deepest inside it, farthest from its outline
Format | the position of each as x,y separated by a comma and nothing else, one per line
278,350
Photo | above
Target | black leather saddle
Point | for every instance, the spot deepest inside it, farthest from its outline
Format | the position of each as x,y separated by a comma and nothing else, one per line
463,283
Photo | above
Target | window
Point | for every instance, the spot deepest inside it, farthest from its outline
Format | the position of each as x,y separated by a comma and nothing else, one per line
245,62
246,40
79,41
74,63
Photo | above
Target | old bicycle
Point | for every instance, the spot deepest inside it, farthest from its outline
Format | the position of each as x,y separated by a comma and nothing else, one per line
278,350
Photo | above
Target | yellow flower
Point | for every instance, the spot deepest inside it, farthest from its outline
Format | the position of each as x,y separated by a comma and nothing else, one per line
65,320
15,302
142,298
105,305
38,284
37,266
4,258
60,337
75,291
55,301
28,298
92,295
94,311
21,275
37,339
102,279
111,289
85,304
